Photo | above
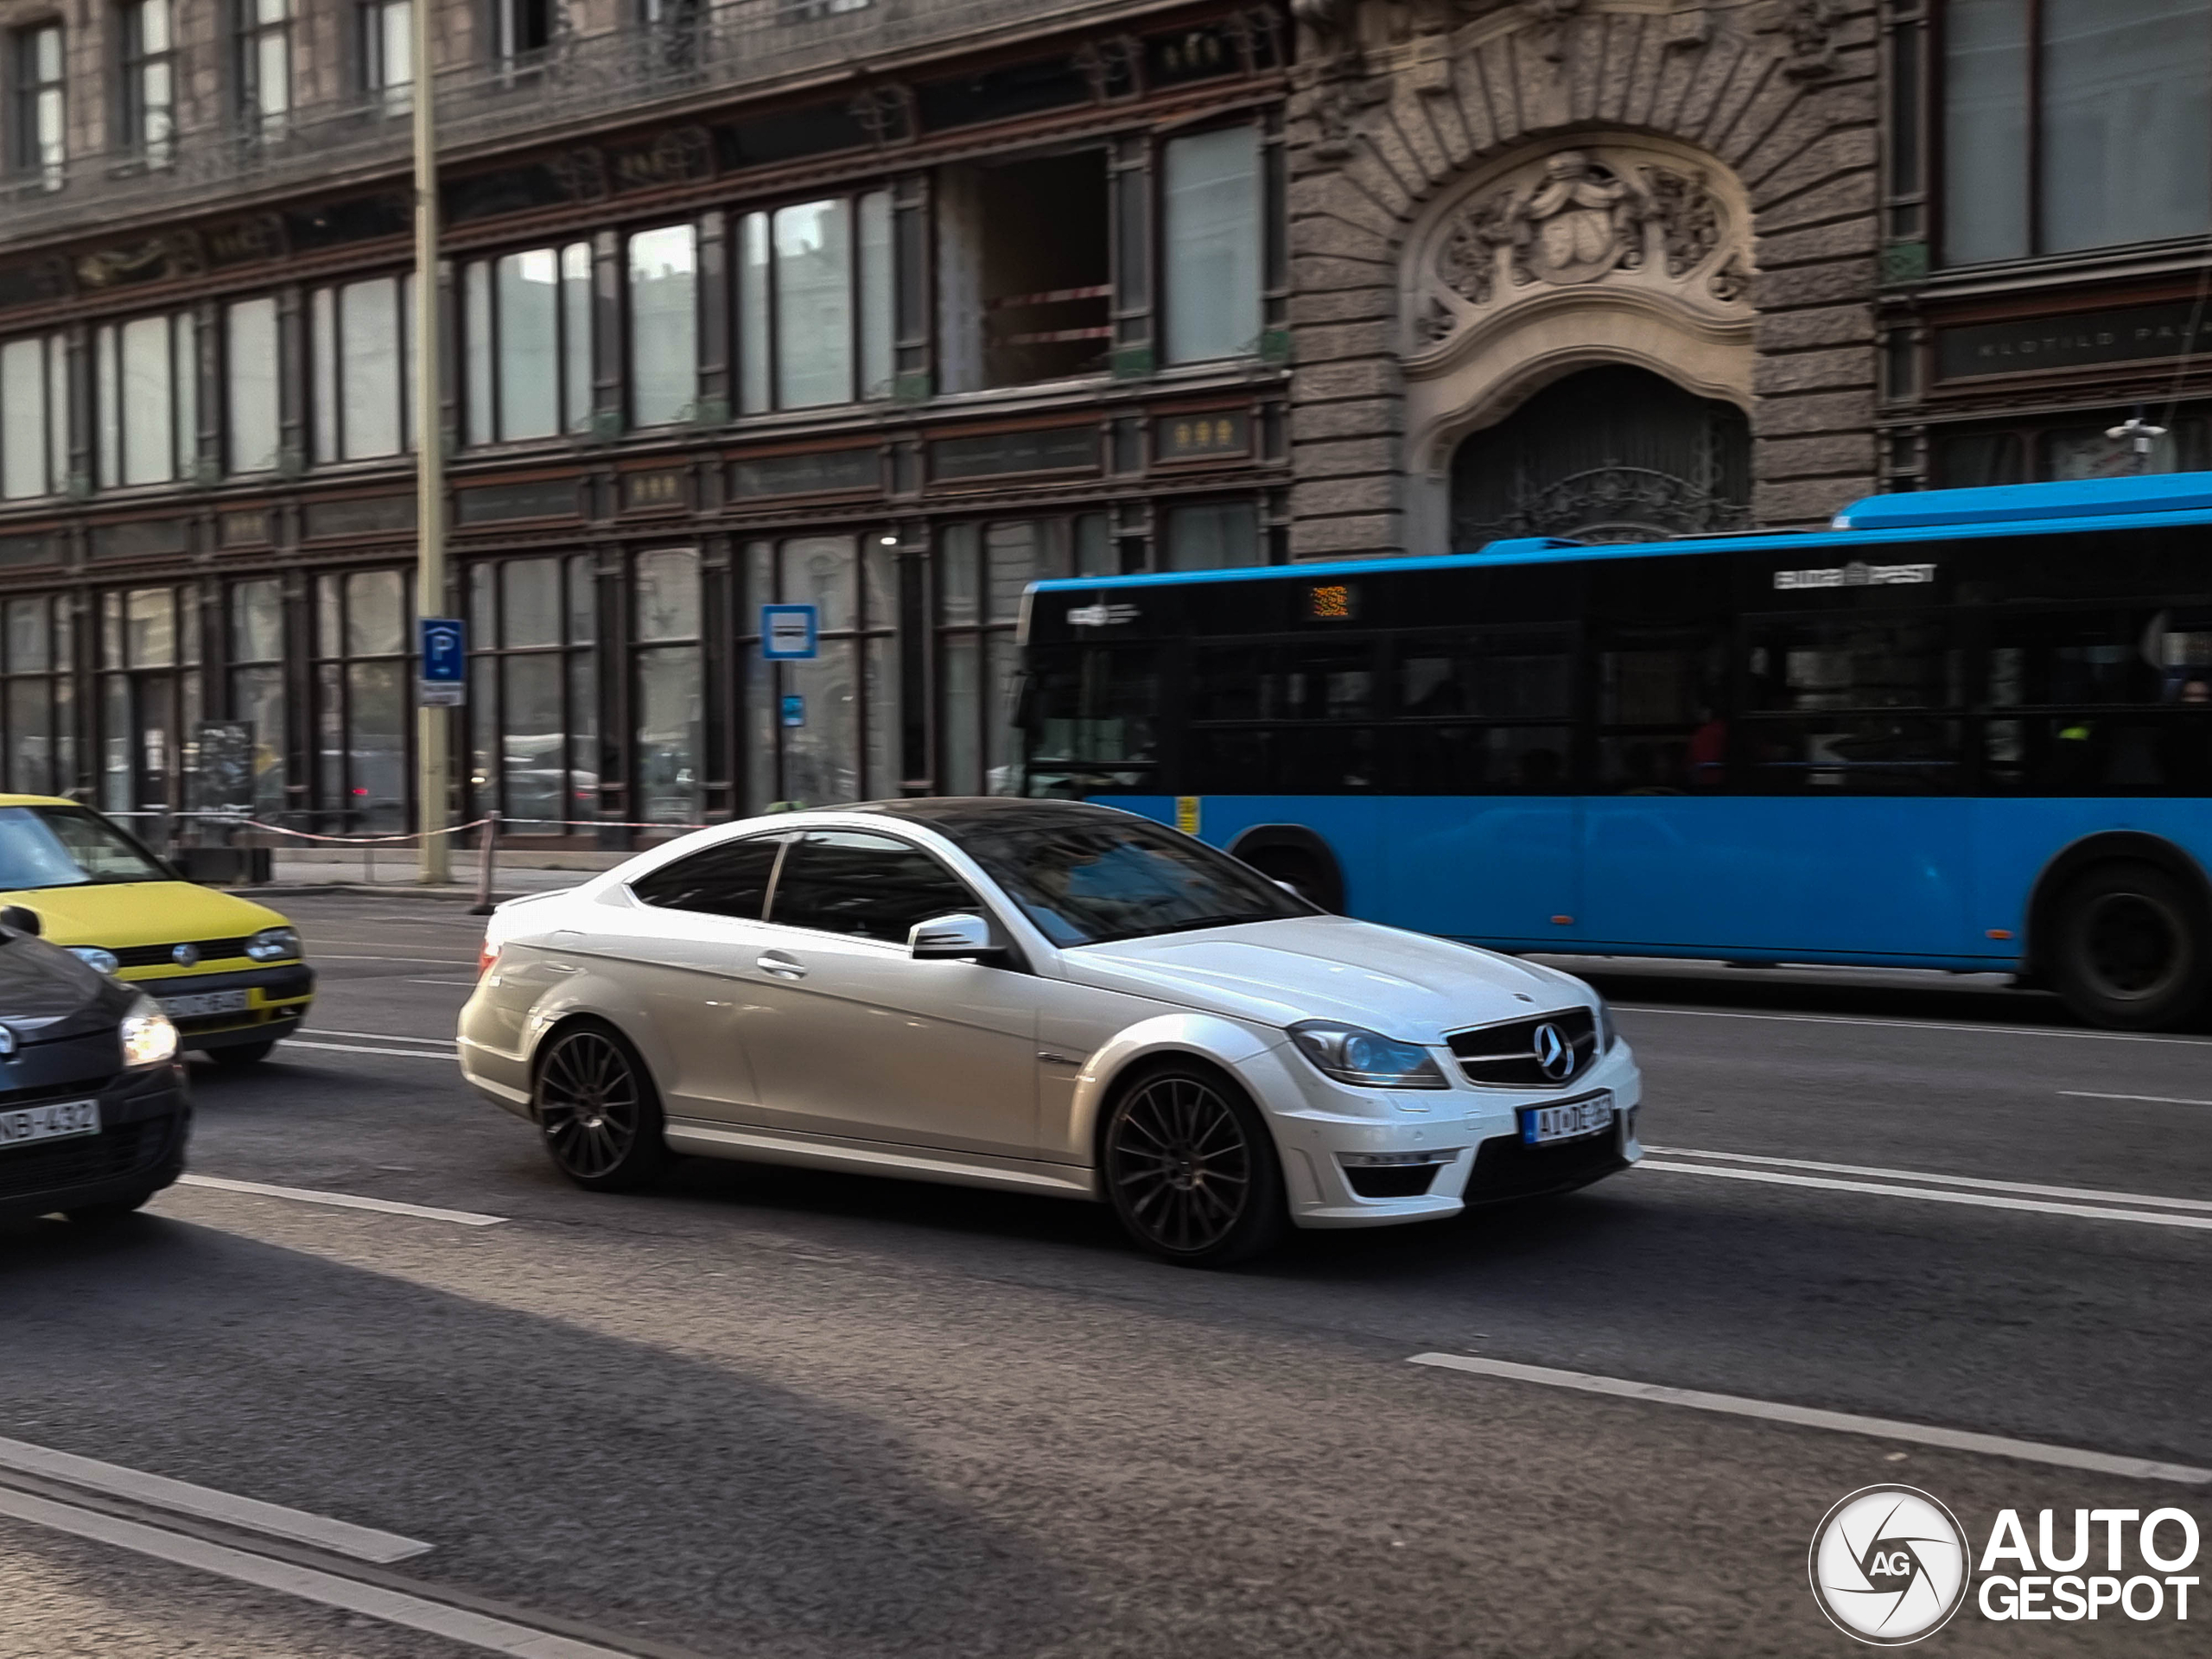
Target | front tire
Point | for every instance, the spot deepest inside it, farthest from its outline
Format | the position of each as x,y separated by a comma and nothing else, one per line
597,1110
1191,1167
113,1211
2129,949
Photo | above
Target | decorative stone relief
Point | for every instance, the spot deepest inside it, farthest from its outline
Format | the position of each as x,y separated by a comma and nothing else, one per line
1808,30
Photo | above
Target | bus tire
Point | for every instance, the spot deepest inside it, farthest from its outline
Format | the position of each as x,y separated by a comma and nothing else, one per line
2129,949
1299,860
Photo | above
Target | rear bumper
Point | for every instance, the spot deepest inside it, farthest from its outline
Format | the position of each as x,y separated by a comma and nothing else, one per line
145,1120
277,998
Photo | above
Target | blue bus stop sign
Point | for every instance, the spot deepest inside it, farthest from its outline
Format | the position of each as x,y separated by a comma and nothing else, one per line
789,632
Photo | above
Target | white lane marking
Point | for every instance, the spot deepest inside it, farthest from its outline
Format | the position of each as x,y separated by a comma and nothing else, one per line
363,1048
461,1625
2095,1195
1843,1422
183,1497
2155,1100
379,1036
341,1200
1980,1200
1913,1025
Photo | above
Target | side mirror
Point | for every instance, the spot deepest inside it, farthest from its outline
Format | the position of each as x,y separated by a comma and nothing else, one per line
22,920
953,938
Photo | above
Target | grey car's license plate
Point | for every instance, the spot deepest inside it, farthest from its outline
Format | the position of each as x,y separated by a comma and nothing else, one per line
186,1007
21,1125
1570,1119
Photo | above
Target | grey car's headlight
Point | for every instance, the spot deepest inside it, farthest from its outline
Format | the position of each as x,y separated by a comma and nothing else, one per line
273,944
149,1039
1607,1034
1366,1058
92,957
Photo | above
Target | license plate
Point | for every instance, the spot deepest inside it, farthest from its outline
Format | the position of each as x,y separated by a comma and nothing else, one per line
1569,1121
186,1007
23,1124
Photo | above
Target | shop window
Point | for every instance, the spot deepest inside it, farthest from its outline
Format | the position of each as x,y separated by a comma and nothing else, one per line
257,655
39,144
148,101
664,326
533,702
2073,124
1209,245
33,416
527,333
840,740
364,390
1211,536
814,302
2084,448
37,710
251,424
665,629
1025,284
364,702
146,399
150,698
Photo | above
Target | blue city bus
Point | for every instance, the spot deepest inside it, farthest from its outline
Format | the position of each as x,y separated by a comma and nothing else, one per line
1964,730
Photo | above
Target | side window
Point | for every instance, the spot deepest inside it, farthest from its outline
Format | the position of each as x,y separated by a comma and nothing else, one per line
865,886
731,879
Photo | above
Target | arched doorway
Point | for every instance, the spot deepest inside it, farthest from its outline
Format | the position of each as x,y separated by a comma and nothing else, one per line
1607,454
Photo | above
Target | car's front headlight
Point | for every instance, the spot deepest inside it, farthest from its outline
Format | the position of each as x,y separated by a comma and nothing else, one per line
149,1039
92,957
1607,1034
273,944
1365,1058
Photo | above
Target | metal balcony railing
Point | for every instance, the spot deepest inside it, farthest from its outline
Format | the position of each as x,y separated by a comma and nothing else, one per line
578,79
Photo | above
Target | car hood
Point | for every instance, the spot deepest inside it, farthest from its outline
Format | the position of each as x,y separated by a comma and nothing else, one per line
116,914
1405,985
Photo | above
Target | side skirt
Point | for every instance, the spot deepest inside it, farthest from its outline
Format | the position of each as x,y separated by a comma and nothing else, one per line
881,1158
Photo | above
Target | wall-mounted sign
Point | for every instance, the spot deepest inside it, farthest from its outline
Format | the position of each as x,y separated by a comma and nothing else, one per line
542,497
142,539
365,515
1060,449
810,474
246,527
1201,437
794,710
647,491
790,633
2040,345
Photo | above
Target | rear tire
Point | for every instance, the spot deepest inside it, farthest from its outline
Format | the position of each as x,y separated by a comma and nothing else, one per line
597,1109
245,1054
2128,949
1191,1167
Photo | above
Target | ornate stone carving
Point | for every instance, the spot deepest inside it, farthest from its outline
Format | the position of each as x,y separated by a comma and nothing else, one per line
1551,17
1732,281
1688,216
1807,29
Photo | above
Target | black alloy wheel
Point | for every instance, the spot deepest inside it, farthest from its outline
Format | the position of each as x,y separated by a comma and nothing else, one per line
1192,1169
598,1111
2130,949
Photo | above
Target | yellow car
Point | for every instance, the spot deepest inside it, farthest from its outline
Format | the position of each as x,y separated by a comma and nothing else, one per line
227,971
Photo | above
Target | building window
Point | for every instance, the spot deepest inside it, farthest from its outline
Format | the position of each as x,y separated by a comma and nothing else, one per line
665,631
36,697
363,701
523,28
363,388
664,326
148,99
387,49
814,299
149,697
39,144
1025,287
533,701
2073,124
982,571
827,730
33,416
1209,245
250,410
258,656
527,324
1211,536
145,399
264,64
2043,451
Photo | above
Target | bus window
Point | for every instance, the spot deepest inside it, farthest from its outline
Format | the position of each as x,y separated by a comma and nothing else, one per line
1661,729
1822,696
1486,674
1091,716
1318,679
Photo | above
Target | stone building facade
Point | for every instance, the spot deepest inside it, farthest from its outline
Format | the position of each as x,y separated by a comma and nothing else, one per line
1645,232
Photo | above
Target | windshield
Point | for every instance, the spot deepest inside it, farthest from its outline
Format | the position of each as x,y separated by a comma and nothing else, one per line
64,847
1091,882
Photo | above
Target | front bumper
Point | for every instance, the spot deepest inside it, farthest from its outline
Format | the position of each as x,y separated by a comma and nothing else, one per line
277,999
145,1120
1319,1123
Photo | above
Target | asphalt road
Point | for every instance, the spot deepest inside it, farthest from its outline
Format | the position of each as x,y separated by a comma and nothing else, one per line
773,1413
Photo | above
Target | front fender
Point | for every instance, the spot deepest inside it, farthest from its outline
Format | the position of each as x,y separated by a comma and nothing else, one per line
1201,1036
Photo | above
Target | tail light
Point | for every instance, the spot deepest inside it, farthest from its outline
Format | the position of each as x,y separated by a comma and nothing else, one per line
486,957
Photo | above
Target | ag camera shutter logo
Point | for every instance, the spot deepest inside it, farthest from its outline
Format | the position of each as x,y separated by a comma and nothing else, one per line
1888,1566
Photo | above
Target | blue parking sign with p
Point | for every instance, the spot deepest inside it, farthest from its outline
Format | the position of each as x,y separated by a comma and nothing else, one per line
445,651
790,633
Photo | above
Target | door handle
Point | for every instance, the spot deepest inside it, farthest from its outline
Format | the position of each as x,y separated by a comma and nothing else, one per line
561,968
781,967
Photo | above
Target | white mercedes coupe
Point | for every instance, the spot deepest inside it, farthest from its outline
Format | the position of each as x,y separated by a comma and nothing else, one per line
1045,997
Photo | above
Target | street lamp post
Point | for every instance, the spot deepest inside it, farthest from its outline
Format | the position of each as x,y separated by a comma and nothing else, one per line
432,724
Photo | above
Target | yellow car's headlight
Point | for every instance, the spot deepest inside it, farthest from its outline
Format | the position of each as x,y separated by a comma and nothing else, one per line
149,1039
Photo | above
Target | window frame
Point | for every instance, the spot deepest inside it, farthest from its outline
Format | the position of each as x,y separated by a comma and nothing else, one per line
864,351
577,654
477,360
111,425
251,34
136,67
31,91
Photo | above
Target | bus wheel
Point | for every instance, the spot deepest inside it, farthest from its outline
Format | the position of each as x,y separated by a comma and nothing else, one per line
1300,872
2129,949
